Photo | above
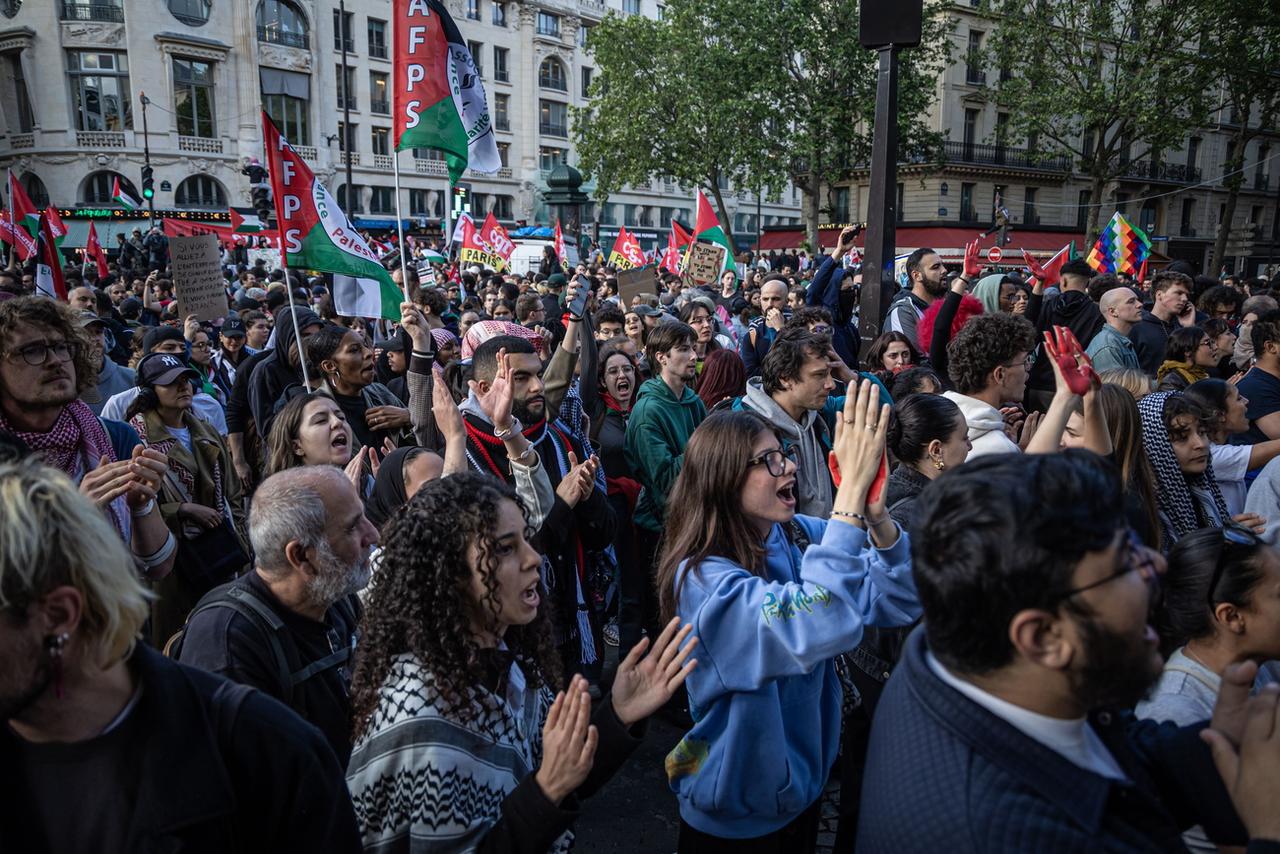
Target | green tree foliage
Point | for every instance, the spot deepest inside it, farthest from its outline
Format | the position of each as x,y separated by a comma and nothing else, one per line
1106,82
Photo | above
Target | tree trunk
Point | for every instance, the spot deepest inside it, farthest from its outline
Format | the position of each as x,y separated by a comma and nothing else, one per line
1097,184
814,214
1233,184
725,222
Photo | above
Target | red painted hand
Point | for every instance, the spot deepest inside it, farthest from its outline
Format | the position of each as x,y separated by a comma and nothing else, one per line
1069,357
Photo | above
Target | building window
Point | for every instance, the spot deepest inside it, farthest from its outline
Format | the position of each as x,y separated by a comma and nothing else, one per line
967,213
498,14
200,191
290,115
973,73
193,13
1193,152
380,140
193,97
100,94
80,10
551,75
345,86
477,56
377,31
378,93
428,154
500,72
584,32
504,153
502,207
970,131
1002,130
96,189
21,97
553,118
586,81
1082,209
347,137
501,117
342,32
35,188
550,158
382,200
353,205
1029,214
840,205
631,7
281,22
548,24
473,10
418,203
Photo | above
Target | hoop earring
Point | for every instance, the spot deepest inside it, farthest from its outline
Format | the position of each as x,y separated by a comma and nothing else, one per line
54,644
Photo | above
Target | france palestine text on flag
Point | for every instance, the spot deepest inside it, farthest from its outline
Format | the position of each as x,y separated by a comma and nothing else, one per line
22,211
314,232
438,97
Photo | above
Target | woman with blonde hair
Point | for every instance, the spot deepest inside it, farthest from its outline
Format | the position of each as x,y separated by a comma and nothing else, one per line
1133,381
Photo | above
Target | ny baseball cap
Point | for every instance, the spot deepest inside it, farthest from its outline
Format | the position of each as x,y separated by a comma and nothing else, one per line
163,369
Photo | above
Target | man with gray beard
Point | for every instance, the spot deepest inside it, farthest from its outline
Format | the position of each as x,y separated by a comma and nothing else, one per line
288,627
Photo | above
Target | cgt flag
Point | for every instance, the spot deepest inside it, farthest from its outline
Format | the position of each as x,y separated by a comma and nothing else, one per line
438,96
626,254
473,250
314,231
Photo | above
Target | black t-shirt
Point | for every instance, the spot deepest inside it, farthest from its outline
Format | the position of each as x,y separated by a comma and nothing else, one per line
1263,393
222,641
354,407
83,795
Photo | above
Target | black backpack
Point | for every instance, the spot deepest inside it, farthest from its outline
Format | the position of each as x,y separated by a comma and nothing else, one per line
283,649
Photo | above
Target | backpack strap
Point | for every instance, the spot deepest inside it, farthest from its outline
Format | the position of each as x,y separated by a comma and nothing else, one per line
225,710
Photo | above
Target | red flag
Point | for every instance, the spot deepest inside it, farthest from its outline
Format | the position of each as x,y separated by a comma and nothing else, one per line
55,223
682,238
16,236
49,279
560,252
671,255
1053,267
23,212
473,250
93,249
626,253
493,235
1142,271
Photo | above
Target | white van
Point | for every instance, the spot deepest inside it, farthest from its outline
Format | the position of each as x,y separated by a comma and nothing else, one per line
528,255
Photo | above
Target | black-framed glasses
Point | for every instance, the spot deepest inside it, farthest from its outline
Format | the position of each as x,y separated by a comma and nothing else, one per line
37,352
774,460
1137,558
1232,535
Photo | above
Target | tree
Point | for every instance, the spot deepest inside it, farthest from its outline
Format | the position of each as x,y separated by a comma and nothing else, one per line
1242,50
671,98
1096,78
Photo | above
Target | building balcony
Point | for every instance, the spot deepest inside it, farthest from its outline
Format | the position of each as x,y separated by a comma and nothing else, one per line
975,77
382,108
99,139
273,35
423,166
92,12
1002,155
1165,173
200,144
349,44
549,129
22,140
382,161
347,103
1260,182
307,152
352,157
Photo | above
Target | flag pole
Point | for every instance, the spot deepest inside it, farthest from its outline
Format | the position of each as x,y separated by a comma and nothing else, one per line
404,272
297,333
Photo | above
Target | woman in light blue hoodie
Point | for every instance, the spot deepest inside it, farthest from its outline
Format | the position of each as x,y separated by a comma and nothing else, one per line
771,616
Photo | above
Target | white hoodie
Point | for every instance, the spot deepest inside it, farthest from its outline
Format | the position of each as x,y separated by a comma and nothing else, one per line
986,426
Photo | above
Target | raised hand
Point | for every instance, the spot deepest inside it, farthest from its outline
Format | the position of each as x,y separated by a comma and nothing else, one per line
643,685
447,416
415,323
568,743
1035,268
1247,757
496,402
1070,364
972,264
860,437
107,482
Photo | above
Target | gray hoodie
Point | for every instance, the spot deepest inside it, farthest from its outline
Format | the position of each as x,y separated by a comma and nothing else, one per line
814,495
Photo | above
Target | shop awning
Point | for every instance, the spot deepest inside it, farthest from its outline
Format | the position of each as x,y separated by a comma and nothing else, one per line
948,242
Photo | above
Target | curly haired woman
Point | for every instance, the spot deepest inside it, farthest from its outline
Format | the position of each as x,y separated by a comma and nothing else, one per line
460,744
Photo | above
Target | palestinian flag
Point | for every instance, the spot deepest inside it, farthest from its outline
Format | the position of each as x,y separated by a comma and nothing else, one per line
93,250
706,227
431,256
17,237
679,235
55,224
244,223
49,281
314,232
23,213
120,197
438,98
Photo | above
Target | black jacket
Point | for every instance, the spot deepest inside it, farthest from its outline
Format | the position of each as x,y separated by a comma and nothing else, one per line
1072,309
212,779
274,374
945,774
1150,337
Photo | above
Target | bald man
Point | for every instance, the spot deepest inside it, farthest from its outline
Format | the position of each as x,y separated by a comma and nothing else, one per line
1111,348
83,299
754,346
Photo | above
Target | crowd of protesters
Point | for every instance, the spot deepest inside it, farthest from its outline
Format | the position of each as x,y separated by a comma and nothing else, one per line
289,580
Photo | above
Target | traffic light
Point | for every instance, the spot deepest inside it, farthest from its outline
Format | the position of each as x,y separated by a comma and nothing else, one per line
262,203
148,183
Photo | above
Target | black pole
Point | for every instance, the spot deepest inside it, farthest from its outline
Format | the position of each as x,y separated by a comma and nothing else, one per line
146,156
346,102
882,201
760,223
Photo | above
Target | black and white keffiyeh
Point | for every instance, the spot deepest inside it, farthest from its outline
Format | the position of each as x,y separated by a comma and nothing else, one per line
1179,506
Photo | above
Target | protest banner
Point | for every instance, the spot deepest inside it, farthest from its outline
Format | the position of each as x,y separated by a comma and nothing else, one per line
641,280
197,276
704,263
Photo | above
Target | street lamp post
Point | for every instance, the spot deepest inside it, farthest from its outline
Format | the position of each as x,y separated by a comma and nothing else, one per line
345,140
146,156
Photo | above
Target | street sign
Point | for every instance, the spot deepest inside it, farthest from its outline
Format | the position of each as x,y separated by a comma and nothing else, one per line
994,254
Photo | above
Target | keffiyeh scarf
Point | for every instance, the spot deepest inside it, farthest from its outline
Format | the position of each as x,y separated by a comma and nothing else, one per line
1179,505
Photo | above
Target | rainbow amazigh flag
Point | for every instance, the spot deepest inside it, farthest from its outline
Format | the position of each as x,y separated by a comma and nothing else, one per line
1121,247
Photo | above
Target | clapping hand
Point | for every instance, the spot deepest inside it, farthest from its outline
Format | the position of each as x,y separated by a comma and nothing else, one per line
860,437
581,479
644,685
568,743
148,466
1246,750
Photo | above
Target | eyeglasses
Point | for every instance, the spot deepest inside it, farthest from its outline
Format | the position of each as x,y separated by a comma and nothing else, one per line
1026,363
1137,558
1232,535
775,459
37,352
821,328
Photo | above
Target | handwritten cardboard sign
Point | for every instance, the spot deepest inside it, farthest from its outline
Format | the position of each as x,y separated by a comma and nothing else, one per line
641,280
705,262
197,276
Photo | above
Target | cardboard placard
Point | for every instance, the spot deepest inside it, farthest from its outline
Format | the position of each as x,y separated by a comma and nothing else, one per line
197,276
641,280
706,260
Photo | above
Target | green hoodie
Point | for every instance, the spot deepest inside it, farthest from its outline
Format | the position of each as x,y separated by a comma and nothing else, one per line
657,431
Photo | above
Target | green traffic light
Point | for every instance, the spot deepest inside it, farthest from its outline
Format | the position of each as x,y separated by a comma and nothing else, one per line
148,193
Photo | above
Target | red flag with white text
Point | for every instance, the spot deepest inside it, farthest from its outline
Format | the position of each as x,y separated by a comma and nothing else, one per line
626,253
93,249
49,279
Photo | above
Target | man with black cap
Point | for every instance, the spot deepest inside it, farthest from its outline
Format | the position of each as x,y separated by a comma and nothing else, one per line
230,355
112,378
1071,308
